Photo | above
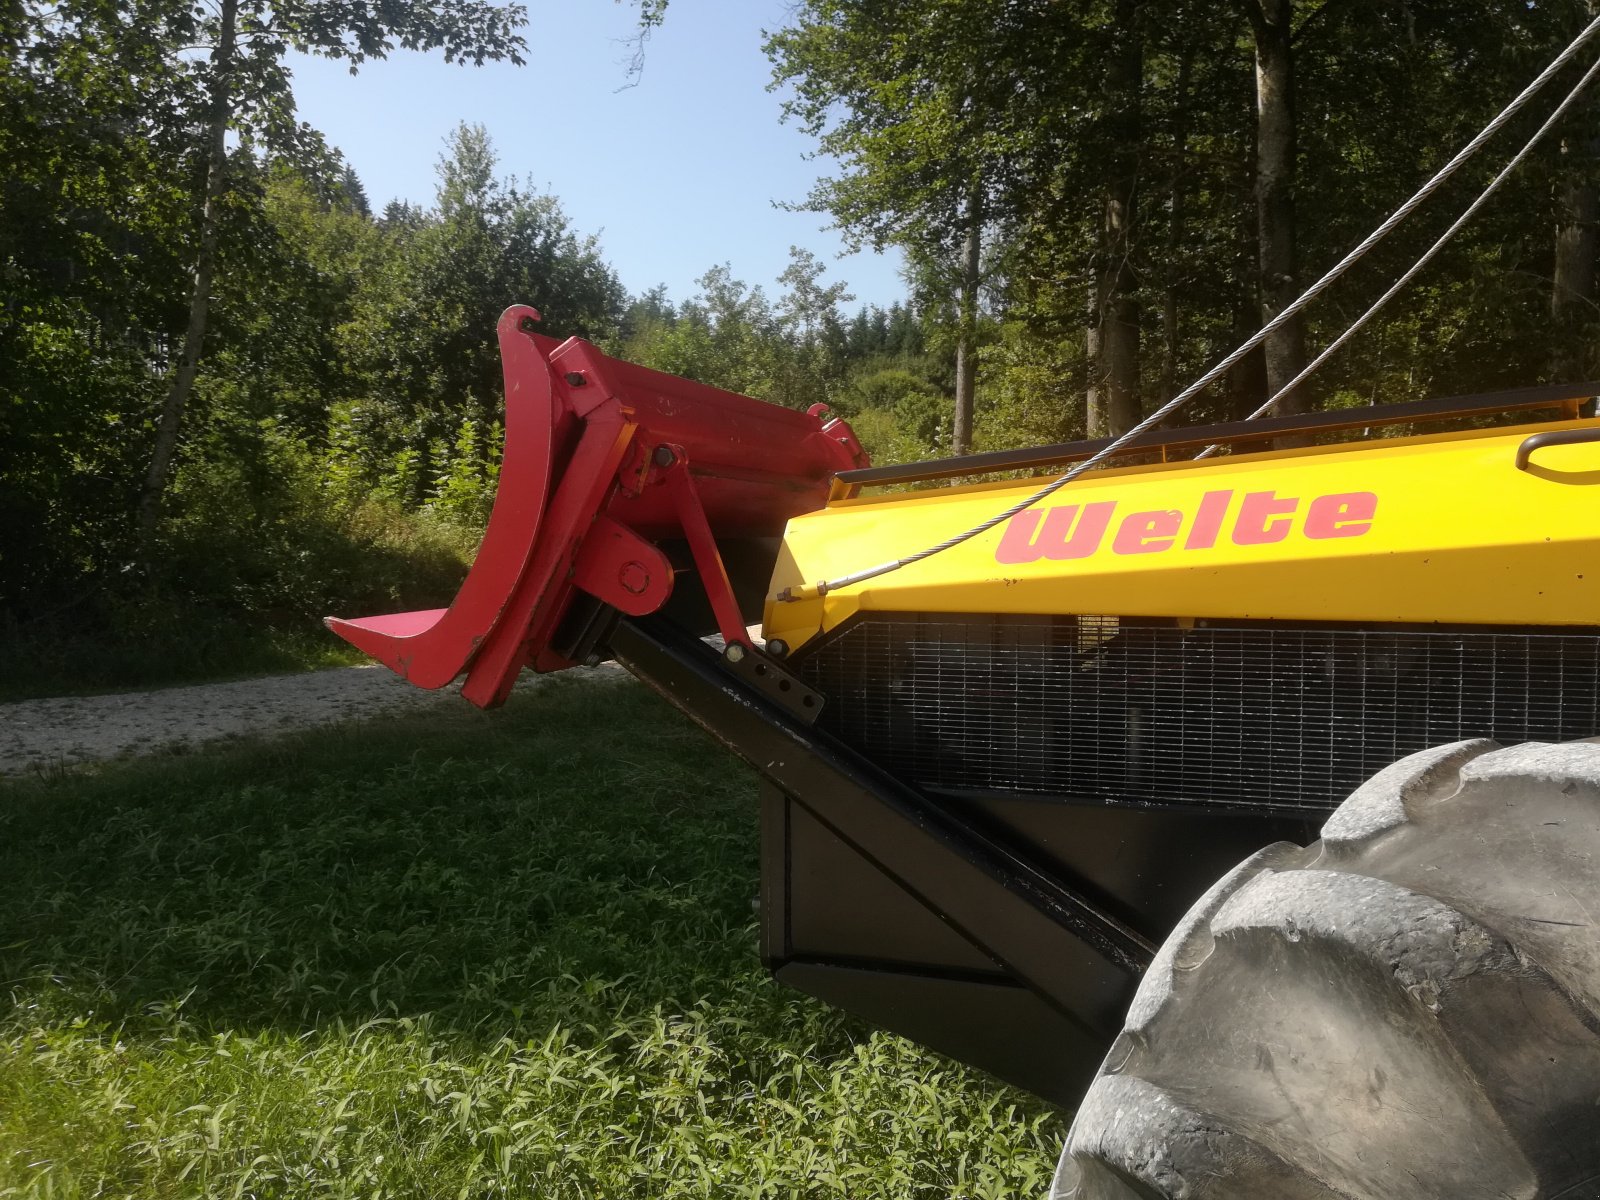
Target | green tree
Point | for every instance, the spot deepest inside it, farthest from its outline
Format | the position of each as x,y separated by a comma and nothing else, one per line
246,88
420,333
905,95
813,332
90,198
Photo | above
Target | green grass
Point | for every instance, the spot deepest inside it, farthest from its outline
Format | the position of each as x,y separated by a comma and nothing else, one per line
483,955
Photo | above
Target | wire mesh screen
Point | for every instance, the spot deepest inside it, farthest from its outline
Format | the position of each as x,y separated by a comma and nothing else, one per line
1268,717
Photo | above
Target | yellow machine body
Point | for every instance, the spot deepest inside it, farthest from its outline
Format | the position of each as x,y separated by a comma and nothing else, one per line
1437,529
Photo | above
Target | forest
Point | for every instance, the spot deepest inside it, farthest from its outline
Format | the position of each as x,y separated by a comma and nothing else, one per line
234,396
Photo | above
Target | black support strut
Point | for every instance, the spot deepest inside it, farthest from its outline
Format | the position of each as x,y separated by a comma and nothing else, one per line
1007,931
1054,940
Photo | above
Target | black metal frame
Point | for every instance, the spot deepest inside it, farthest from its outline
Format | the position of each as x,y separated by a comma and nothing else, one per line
1572,396
976,929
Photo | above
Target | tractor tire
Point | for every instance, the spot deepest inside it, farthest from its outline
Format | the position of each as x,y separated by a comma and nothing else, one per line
1408,1008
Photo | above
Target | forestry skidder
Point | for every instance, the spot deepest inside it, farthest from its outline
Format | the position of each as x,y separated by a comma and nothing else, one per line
996,777
999,765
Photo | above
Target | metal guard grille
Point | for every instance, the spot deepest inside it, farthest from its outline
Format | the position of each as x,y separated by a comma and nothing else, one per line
1255,716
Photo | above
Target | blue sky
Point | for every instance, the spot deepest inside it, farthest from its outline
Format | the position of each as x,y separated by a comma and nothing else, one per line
676,174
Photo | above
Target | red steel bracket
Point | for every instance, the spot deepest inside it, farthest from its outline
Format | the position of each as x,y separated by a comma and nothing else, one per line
673,463
618,566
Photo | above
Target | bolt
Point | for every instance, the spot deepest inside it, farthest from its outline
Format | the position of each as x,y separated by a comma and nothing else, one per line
576,379
777,647
664,456
634,577
734,653
591,659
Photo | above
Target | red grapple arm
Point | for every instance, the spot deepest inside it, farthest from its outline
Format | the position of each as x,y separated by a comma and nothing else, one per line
603,460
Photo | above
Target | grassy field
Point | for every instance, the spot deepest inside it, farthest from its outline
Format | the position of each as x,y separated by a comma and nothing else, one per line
503,954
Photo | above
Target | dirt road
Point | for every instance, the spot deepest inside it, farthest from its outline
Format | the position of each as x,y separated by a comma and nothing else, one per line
36,735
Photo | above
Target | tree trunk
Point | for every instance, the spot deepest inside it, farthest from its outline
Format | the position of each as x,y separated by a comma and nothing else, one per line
967,324
1271,22
1246,383
1171,313
1572,296
1119,355
220,110
1094,397
1116,370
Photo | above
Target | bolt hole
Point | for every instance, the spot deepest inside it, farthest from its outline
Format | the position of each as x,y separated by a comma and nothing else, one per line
783,685
761,668
808,701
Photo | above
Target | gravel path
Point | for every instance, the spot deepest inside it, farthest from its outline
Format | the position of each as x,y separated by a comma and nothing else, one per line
36,735
39,734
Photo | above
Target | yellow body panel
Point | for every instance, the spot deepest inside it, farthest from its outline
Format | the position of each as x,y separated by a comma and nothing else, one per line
1426,529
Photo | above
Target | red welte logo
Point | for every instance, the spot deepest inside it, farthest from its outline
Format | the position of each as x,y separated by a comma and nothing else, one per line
1070,531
